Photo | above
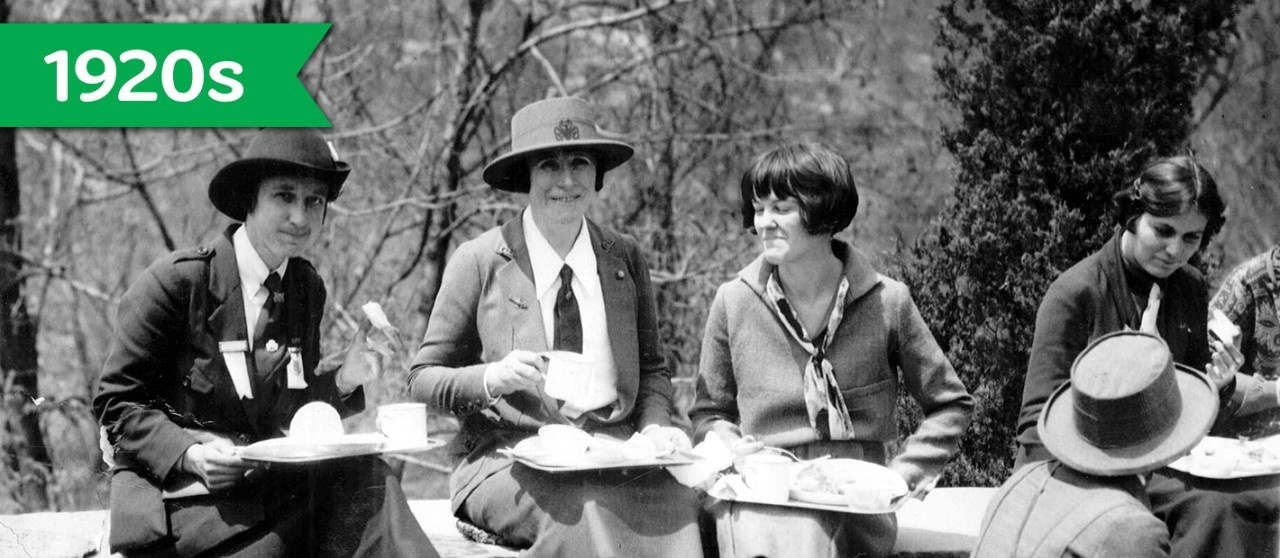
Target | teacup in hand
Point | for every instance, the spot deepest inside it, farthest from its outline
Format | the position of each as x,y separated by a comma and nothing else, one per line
404,424
768,475
568,376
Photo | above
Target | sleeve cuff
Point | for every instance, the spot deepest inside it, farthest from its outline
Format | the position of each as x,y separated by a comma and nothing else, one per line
490,400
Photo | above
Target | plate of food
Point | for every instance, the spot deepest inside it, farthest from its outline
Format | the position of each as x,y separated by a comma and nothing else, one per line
862,486
560,448
1228,458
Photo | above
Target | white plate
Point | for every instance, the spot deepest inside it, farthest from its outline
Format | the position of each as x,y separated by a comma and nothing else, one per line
1228,458
292,450
601,453
880,479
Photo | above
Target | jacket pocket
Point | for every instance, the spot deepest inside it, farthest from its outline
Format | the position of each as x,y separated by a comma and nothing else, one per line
871,408
198,377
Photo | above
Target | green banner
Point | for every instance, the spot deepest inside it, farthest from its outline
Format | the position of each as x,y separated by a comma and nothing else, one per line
60,75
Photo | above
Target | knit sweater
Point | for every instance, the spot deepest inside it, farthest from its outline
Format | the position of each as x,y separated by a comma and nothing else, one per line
751,375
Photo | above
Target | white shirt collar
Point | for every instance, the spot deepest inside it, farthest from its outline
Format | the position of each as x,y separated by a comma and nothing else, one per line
547,263
253,271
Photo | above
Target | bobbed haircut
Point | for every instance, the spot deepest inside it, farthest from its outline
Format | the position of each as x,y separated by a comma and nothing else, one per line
1169,187
812,174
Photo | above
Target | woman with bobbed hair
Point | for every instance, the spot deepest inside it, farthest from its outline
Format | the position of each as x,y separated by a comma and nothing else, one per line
1141,280
803,351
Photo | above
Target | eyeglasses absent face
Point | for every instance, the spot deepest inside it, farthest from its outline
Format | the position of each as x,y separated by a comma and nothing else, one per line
287,217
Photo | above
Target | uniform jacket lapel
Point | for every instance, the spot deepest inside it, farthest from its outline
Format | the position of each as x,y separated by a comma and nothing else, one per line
620,314
225,321
515,280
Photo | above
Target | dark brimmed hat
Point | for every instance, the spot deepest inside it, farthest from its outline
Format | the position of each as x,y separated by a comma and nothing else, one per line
1128,408
560,123
274,152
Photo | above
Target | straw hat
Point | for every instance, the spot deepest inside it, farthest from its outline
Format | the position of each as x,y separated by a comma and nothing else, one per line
1128,408
564,122
273,152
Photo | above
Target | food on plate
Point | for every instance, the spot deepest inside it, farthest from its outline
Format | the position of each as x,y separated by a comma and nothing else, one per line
316,422
1217,457
814,477
605,452
860,485
564,439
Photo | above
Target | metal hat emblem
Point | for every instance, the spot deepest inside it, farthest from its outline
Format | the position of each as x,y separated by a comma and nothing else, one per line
566,131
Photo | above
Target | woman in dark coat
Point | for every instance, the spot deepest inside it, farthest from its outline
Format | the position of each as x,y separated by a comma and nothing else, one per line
1140,280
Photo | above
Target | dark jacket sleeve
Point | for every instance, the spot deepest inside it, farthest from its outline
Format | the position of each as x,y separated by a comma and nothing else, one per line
655,398
1063,325
151,328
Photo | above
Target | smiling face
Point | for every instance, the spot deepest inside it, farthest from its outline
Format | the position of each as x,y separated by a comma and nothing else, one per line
562,185
1160,245
783,237
287,218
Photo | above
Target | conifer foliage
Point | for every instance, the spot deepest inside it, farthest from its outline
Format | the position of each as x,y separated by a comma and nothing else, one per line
1059,103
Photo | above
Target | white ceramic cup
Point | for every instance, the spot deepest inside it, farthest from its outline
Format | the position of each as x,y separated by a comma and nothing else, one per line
403,424
768,476
569,376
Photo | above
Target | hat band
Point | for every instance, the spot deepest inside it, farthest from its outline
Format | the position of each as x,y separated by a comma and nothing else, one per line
1131,420
547,134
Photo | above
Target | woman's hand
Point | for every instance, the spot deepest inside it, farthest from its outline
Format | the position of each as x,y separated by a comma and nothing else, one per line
742,447
516,371
668,437
1223,364
216,464
371,351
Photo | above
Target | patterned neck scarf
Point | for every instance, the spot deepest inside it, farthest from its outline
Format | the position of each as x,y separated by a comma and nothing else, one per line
827,411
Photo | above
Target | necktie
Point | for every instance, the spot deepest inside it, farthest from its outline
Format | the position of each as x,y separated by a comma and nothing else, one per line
268,334
1149,315
568,322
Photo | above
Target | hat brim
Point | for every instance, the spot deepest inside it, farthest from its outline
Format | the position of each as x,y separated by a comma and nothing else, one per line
233,188
1059,434
510,172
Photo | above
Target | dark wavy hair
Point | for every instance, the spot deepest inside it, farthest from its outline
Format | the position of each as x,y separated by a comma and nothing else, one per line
1172,186
815,176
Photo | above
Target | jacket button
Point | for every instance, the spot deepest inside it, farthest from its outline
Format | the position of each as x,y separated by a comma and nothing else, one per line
621,274
202,250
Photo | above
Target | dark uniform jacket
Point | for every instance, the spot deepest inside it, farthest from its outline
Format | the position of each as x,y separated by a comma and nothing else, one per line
165,384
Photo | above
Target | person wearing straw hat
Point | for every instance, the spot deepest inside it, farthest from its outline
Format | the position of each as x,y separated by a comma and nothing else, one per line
1143,279
1127,410
553,280
218,346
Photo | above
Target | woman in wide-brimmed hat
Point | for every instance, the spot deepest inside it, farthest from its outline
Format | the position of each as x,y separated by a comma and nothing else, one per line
552,279
1127,411
218,346
1141,280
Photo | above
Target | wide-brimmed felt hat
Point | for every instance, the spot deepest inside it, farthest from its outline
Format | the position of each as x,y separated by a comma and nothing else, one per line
1128,408
274,152
564,122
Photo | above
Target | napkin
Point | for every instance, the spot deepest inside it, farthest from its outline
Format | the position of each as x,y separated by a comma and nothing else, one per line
716,456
